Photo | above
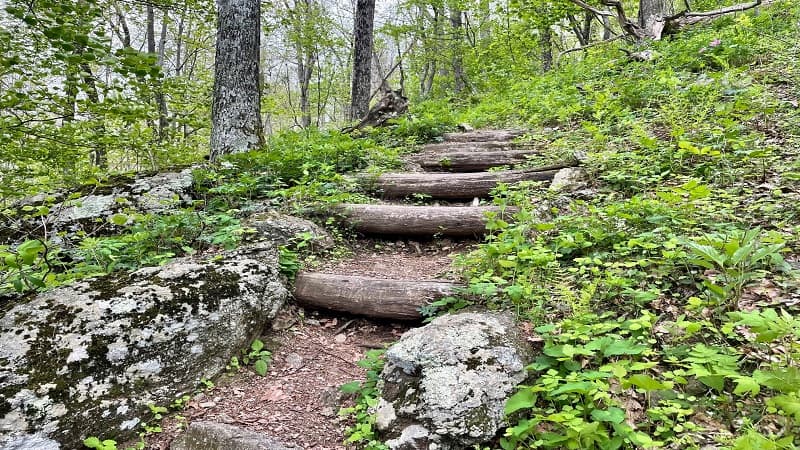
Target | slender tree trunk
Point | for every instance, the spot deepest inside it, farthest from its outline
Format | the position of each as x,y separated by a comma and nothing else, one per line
362,58
99,155
652,14
161,101
236,104
547,49
456,23
305,68
606,28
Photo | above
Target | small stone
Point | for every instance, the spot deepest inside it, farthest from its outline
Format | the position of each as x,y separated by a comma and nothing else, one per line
340,338
207,404
294,360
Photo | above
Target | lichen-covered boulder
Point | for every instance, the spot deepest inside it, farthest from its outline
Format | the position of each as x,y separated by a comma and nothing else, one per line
445,385
86,359
220,436
282,229
90,208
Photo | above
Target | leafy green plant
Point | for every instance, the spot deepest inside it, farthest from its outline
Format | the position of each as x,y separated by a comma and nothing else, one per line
258,356
96,443
738,258
362,432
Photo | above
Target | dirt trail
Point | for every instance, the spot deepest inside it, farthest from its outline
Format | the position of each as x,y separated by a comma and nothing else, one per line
316,352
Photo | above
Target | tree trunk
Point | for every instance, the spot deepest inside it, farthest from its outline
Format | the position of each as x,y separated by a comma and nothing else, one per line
161,101
418,220
547,49
362,58
652,14
470,161
455,185
459,78
371,297
236,104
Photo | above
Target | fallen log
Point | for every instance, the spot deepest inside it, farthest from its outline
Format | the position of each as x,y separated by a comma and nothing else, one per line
485,146
371,297
419,220
456,185
470,161
483,135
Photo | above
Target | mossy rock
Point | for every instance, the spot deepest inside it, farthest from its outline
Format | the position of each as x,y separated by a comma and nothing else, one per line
87,359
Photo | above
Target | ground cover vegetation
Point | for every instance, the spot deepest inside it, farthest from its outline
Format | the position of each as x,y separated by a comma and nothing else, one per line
663,297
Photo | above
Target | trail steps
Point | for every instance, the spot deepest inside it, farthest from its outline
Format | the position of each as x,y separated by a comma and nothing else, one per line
461,153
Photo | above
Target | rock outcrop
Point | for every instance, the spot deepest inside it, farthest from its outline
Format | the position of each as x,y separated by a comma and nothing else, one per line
88,358
219,436
90,209
445,385
283,229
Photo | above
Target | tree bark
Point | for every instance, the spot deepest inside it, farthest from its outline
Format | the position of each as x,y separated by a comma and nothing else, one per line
652,14
459,78
547,49
236,104
474,161
455,185
418,220
362,58
372,297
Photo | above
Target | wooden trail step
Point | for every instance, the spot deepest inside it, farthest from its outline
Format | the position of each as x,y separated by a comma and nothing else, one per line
486,146
409,220
483,135
456,161
366,296
456,185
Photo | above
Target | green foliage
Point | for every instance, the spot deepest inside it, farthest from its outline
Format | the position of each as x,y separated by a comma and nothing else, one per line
94,442
362,432
257,356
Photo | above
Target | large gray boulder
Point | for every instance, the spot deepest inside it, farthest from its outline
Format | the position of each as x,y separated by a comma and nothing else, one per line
445,385
220,436
284,229
86,359
90,208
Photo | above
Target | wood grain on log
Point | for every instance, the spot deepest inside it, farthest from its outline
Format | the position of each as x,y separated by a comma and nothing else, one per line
483,135
486,146
456,185
372,297
419,220
470,161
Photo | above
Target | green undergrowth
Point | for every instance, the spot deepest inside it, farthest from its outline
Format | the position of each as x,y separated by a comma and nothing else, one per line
663,292
296,173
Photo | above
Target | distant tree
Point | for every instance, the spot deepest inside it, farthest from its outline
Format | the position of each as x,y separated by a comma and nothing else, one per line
236,104
362,58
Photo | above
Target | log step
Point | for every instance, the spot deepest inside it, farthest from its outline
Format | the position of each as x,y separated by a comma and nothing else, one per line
419,220
483,135
457,185
366,296
456,161
486,146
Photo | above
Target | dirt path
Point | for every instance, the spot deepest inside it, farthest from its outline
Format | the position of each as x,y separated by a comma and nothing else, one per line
299,400
316,352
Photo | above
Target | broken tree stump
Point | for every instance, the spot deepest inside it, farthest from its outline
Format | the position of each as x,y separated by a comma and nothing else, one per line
371,297
420,220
